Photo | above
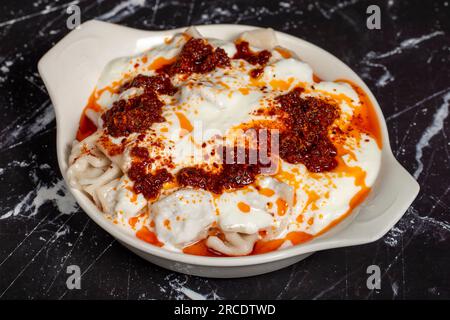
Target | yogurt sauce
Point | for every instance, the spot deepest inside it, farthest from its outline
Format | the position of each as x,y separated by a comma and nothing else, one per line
291,203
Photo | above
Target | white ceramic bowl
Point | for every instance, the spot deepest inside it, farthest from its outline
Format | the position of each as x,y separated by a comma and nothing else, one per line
70,71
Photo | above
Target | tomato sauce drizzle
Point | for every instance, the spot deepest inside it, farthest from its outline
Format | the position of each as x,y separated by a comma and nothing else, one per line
367,119
295,237
201,249
86,126
148,236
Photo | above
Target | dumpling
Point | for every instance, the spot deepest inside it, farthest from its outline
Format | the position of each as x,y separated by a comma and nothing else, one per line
183,217
235,244
253,209
89,168
261,38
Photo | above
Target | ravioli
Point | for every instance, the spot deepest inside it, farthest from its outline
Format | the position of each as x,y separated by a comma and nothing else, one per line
221,148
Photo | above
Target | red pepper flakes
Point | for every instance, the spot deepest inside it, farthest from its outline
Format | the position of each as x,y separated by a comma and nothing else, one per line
230,176
161,84
197,56
244,52
149,184
139,152
306,138
256,73
136,114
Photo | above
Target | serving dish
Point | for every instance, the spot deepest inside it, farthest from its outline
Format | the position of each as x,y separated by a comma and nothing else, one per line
70,70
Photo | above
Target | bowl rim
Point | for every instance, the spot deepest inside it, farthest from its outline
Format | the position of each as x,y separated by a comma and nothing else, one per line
131,240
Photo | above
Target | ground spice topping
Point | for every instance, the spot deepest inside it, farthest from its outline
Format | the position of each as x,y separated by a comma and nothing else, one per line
306,138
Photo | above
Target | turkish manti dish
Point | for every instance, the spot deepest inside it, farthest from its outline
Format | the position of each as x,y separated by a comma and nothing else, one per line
224,148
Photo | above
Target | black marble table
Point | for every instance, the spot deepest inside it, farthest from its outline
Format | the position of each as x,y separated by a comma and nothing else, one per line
406,64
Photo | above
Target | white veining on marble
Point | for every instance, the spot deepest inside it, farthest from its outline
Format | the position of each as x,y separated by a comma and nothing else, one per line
433,129
395,288
48,9
327,13
237,13
55,192
122,10
417,104
93,262
38,120
410,222
14,164
322,293
404,45
192,294
176,283
4,69
372,58
27,126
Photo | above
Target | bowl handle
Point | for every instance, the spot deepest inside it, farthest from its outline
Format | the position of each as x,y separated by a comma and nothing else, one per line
71,62
385,209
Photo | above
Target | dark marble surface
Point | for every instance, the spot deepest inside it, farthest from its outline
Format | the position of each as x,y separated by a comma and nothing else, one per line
406,64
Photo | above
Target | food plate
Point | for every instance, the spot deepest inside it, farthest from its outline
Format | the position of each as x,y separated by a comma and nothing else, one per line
70,71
